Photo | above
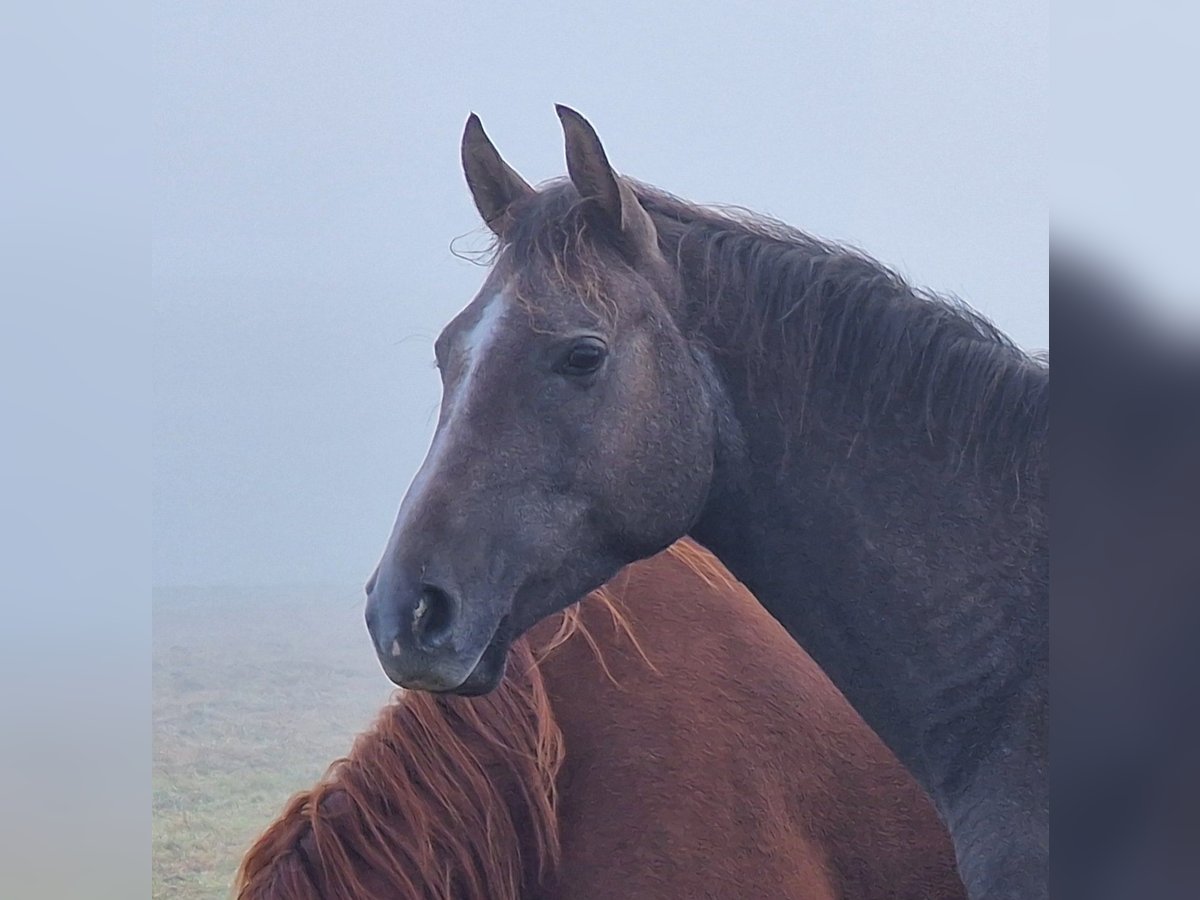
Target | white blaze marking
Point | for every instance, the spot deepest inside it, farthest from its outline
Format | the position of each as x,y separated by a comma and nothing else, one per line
475,345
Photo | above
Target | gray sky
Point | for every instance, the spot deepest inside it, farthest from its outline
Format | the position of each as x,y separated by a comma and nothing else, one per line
307,188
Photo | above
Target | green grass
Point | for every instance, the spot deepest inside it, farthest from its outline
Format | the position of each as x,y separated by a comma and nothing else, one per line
255,693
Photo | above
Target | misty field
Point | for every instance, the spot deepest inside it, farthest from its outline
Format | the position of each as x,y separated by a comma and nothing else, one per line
255,693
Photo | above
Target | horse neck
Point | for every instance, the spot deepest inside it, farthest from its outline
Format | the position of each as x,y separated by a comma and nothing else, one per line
917,582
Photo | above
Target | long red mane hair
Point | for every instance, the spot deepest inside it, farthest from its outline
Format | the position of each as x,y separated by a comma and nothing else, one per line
443,797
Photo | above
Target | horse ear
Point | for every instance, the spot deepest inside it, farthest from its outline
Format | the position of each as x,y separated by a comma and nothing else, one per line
597,183
493,183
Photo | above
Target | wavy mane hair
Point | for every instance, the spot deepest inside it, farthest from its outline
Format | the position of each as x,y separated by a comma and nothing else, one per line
859,342
444,797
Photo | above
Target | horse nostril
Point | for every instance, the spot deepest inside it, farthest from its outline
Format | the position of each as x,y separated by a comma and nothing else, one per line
432,618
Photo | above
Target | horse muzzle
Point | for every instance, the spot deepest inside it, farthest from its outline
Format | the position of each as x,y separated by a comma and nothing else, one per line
428,640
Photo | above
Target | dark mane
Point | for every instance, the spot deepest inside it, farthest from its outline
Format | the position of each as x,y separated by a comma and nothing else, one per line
863,347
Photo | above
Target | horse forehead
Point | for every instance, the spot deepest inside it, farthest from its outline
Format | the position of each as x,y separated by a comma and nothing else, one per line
476,326
482,332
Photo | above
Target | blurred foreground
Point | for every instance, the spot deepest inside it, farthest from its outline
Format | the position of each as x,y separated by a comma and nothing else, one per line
1126,586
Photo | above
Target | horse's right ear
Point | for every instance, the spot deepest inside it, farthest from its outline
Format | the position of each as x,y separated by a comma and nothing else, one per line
493,183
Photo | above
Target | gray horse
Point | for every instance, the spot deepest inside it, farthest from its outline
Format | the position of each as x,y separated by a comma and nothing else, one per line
871,460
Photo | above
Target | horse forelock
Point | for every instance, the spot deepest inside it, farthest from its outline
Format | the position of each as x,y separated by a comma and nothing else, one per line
551,248
445,797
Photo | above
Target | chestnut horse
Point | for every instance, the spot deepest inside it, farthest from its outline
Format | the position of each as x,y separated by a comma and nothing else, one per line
632,750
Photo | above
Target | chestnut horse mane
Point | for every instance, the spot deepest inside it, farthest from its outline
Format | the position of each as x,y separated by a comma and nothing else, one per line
443,797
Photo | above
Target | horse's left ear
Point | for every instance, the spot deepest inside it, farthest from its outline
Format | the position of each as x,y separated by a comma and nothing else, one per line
612,199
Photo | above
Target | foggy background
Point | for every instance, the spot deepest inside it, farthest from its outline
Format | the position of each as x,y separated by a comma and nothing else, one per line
306,188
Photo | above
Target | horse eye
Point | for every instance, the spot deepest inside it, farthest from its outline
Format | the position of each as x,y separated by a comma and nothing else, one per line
584,357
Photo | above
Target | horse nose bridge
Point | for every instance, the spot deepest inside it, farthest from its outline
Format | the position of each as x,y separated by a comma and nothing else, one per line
458,459
449,513
420,523
449,508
